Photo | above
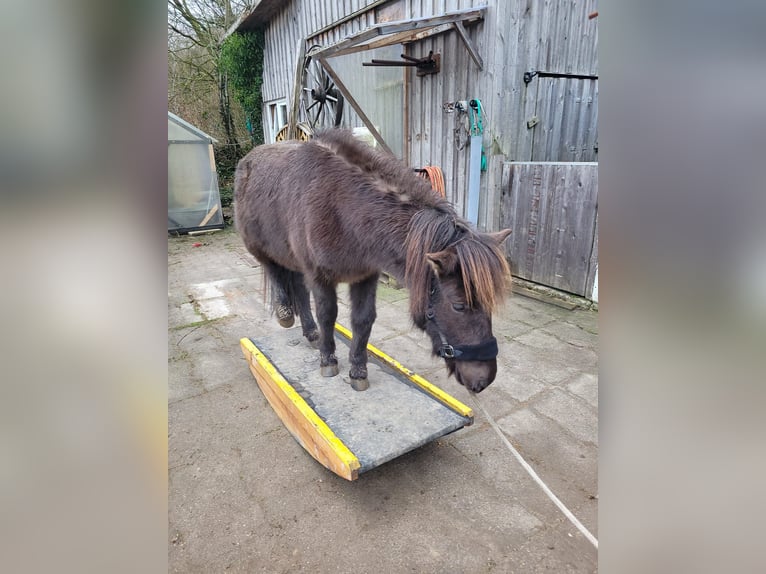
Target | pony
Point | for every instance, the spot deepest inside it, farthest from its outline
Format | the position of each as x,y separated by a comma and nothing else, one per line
335,210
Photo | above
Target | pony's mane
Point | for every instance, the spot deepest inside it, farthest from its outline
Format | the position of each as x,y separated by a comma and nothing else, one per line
384,170
481,262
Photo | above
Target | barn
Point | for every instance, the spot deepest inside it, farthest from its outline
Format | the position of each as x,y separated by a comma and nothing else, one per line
500,95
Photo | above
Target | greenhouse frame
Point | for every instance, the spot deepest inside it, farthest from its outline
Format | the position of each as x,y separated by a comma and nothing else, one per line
194,201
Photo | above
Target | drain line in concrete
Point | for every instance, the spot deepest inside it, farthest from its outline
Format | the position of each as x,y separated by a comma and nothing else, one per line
568,513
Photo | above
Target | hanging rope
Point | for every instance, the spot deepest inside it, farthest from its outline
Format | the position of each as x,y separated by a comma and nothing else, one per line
434,175
477,126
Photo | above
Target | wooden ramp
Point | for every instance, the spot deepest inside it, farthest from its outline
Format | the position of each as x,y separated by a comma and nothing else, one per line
347,431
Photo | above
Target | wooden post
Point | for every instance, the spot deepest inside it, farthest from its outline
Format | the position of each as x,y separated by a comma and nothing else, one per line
292,120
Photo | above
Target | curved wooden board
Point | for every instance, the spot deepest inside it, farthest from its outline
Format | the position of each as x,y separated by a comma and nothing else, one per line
300,419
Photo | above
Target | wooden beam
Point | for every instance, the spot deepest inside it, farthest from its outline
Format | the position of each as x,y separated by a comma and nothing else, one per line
209,216
354,104
334,49
401,26
469,44
292,120
400,38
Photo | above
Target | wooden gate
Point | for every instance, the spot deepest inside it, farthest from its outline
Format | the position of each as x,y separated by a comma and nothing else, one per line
552,208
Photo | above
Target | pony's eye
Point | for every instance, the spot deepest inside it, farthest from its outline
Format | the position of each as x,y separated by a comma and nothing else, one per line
458,307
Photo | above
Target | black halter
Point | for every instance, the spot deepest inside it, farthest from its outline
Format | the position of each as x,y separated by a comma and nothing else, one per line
484,351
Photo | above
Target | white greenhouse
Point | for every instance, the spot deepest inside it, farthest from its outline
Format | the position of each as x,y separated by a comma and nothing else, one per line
194,202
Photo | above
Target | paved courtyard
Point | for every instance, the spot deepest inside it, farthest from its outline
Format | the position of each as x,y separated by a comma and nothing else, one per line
245,497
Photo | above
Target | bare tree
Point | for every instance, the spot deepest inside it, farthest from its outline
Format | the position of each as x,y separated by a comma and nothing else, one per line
196,29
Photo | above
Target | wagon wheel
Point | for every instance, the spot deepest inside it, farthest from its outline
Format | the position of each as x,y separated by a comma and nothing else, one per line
304,133
321,101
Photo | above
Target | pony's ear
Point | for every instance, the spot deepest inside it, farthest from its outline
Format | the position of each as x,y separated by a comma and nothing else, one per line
442,262
500,236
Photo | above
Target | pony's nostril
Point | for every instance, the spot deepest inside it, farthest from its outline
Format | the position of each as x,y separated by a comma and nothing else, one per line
479,385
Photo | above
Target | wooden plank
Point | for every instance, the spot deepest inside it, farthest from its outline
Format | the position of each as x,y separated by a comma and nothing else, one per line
209,215
537,296
412,24
447,400
469,44
295,100
528,33
593,264
354,104
348,18
211,157
300,419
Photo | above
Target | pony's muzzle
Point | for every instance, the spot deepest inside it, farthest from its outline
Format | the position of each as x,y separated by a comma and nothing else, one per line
475,375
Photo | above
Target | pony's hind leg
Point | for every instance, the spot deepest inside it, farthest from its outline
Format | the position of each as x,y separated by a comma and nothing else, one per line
326,300
282,293
303,303
362,317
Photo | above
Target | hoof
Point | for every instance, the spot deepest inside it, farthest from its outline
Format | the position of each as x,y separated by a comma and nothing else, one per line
285,316
329,370
359,384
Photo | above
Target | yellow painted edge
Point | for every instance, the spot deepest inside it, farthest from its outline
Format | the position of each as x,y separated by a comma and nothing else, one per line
433,390
337,445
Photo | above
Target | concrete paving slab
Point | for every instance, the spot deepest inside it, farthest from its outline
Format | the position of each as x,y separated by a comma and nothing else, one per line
571,413
585,386
245,497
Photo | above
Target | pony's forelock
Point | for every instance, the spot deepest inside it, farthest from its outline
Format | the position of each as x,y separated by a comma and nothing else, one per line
484,270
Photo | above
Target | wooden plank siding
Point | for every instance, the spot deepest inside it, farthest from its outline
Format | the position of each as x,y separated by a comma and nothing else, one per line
552,209
568,127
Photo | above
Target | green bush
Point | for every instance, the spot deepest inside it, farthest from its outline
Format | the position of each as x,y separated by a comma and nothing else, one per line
227,196
242,60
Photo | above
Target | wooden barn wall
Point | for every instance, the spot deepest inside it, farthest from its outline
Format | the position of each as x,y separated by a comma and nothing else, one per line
516,36
302,19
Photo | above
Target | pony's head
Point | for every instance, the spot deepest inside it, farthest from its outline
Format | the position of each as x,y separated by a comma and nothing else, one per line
454,298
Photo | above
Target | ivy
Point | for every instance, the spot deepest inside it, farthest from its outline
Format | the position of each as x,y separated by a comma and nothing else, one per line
242,61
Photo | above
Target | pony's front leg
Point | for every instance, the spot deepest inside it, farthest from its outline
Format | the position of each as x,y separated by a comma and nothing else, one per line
362,317
326,300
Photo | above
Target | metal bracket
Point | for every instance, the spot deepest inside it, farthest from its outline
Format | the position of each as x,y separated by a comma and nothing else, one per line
529,75
431,64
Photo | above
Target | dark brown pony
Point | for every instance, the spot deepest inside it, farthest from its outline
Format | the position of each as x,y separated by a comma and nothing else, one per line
334,210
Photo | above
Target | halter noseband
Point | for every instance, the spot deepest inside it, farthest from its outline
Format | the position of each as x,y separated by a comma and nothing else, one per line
484,351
